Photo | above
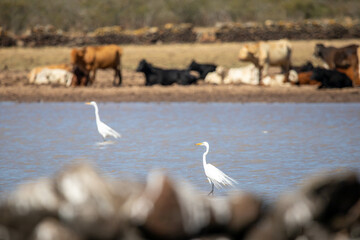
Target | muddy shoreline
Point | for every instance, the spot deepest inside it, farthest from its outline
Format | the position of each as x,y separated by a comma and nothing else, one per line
14,87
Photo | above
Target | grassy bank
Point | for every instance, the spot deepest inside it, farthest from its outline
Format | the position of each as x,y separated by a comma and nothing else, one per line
164,55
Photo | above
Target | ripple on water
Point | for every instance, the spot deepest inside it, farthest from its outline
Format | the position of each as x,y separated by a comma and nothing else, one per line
267,148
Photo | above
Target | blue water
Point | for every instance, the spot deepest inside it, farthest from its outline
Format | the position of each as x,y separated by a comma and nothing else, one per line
267,148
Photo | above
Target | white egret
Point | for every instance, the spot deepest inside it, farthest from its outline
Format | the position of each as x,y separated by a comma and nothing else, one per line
104,130
214,175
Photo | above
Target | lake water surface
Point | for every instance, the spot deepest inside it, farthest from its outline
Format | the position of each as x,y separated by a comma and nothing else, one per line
267,148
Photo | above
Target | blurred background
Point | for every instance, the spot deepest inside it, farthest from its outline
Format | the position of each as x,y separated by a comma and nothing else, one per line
87,15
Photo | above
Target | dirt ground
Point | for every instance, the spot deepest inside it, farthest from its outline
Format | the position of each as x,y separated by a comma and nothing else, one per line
14,87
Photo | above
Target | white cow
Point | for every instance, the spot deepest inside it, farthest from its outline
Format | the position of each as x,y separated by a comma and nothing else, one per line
53,76
279,79
35,71
243,75
247,75
264,54
217,76
250,75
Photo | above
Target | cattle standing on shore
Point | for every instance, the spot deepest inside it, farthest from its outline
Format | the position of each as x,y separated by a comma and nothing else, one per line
344,59
91,58
336,57
202,69
155,75
265,54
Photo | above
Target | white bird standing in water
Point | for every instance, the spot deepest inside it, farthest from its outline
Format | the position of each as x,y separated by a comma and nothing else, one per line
214,175
104,130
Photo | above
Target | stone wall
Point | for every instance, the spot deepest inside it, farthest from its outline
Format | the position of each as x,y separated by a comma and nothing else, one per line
292,30
186,33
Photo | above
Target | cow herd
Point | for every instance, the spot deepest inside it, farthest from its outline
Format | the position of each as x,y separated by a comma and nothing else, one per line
341,68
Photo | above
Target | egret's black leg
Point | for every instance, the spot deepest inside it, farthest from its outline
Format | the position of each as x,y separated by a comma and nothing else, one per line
212,190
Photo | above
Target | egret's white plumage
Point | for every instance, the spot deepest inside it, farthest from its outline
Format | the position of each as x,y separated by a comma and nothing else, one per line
214,175
104,130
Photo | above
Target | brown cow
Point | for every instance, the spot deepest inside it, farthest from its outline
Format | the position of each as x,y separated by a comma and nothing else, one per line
91,58
352,73
304,78
336,57
344,59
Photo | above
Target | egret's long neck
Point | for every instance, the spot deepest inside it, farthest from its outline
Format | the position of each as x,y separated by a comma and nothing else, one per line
204,155
97,113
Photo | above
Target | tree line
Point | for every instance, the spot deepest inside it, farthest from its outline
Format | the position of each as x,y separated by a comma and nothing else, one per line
87,15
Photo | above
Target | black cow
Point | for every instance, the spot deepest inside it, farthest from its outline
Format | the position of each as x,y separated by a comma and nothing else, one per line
331,78
155,75
80,77
307,67
337,57
202,69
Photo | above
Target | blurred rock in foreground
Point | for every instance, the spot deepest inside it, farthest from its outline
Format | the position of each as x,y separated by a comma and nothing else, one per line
80,203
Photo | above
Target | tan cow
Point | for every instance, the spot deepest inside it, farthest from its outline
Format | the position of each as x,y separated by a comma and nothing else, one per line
54,77
91,58
35,71
265,54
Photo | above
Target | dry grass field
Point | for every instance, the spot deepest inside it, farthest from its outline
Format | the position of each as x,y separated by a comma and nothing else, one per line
15,63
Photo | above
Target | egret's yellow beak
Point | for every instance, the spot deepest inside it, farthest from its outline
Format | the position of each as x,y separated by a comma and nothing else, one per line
87,103
199,144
